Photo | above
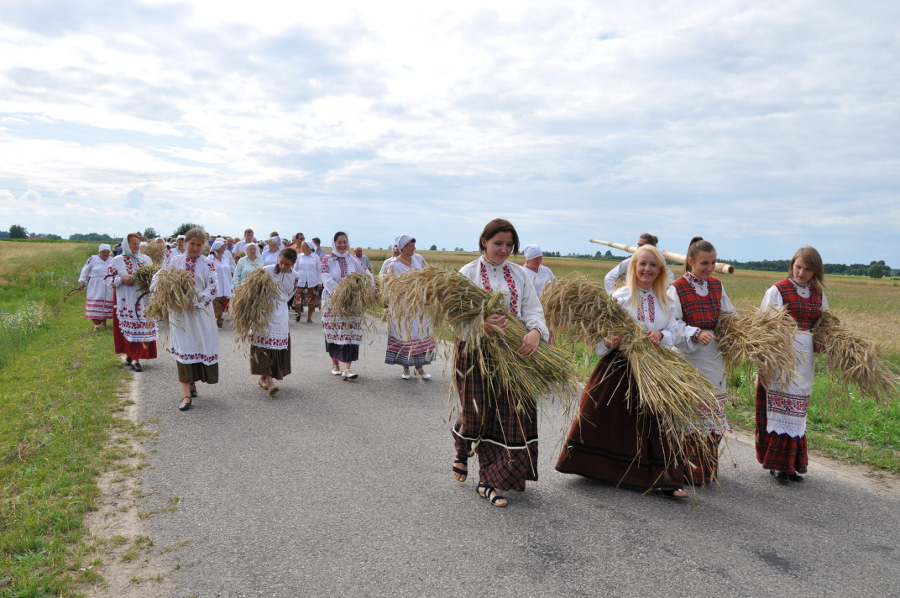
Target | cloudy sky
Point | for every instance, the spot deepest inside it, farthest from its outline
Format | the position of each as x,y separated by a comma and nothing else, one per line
760,125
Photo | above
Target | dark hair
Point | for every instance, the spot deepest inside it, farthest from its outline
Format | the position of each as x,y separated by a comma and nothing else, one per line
336,235
290,253
496,226
814,260
317,241
696,245
249,230
650,239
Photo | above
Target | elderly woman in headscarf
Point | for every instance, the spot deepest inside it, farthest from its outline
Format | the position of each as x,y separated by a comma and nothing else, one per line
193,334
343,335
309,280
99,303
133,334
410,343
251,261
217,253
272,250
539,274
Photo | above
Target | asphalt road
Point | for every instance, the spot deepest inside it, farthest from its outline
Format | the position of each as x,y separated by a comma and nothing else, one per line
336,488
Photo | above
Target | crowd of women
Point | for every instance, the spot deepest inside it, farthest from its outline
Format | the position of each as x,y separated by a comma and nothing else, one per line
610,439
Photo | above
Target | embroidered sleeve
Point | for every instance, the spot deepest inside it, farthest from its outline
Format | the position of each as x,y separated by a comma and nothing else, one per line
212,284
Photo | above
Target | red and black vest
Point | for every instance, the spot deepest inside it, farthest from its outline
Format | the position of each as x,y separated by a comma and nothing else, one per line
805,311
701,312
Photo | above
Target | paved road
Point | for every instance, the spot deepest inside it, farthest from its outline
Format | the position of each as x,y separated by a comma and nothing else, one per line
344,489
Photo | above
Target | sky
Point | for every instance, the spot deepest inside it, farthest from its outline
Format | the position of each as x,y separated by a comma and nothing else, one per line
759,125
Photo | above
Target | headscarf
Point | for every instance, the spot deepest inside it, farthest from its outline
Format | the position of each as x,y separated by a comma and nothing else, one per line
532,251
104,247
220,242
126,250
311,244
400,241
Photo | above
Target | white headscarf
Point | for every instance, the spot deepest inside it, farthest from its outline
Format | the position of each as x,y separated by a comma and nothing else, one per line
104,247
312,245
126,250
217,244
400,241
532,251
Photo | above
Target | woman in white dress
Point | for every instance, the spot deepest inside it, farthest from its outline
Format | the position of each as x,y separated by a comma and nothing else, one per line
217,253
98,306
309,281
781,409
410,343
272,251
540,274
698,300
343,336
133,334
270,350
193,334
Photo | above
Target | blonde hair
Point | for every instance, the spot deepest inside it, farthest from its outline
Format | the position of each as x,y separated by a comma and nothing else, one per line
195,233
813,260
659,285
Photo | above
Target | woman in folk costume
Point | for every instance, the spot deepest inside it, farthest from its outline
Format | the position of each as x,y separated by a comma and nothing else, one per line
270,350
781,409
539,274
610,439
193,334
99,302
133,334
504,439
309,280
697,300
343,336
410,343
225,286
251,261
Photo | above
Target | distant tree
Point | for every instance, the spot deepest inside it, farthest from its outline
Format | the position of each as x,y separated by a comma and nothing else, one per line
876,271
608,254
17,232
150,233
4,234
185,227
432,248
97,237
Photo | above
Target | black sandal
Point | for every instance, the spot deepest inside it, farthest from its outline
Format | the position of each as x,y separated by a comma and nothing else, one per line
490,494
193,390
185,406
460,474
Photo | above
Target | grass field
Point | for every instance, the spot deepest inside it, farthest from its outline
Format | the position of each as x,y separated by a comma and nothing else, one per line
60,385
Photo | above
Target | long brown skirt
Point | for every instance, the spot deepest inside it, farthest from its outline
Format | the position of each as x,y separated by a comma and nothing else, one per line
198,372
610,440
270,362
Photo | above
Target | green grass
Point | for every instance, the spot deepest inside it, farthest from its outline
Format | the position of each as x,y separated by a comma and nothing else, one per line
58,393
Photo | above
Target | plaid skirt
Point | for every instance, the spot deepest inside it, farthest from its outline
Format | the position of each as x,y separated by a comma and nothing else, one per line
612,441
505,439
701,458
780,452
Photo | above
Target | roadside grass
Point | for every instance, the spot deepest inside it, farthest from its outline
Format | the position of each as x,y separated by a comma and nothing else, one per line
58,394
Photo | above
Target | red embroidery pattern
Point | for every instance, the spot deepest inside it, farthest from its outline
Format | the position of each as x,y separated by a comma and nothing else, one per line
190,264
651,309
510,283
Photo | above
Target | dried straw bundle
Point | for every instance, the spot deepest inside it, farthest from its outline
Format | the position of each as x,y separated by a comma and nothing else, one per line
763,337
449,300
354,296
173,291
252,304
855,360
237,256
144,275
155,251
669,388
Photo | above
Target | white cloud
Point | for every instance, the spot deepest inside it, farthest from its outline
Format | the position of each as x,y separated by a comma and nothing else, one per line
6,195
30,195
583,119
